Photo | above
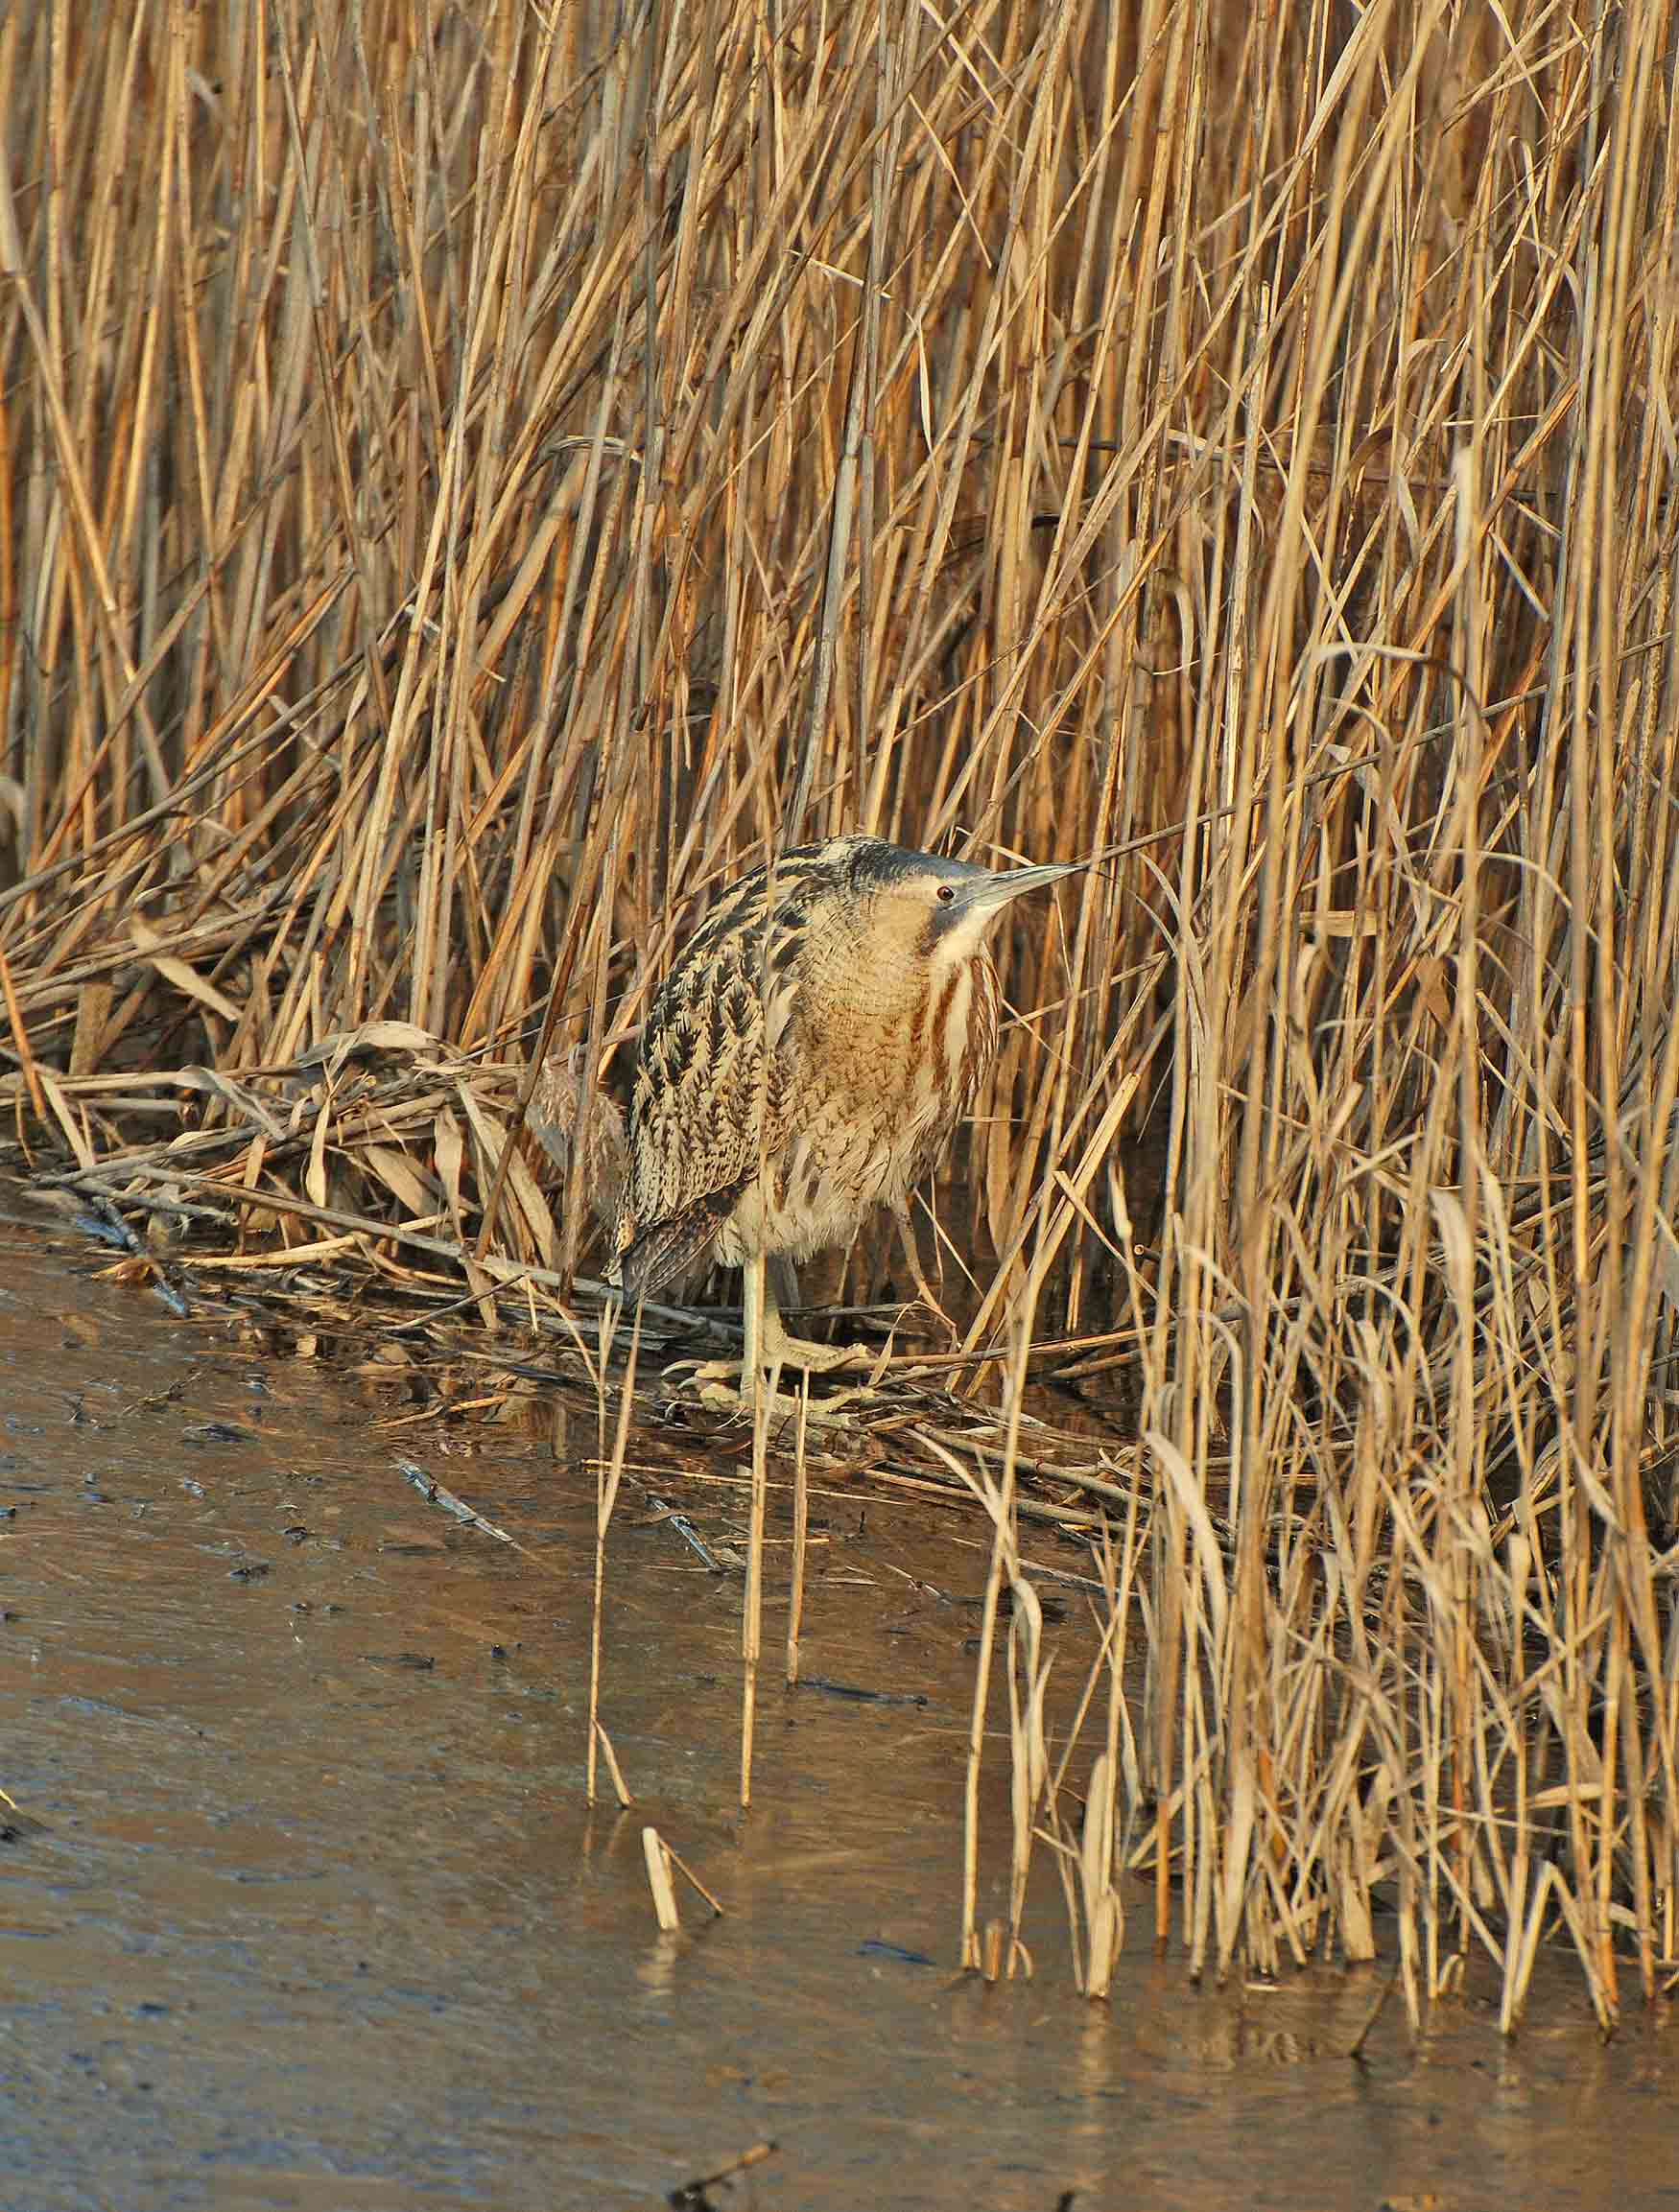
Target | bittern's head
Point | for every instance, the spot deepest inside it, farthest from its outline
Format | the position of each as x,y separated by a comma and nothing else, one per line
914,909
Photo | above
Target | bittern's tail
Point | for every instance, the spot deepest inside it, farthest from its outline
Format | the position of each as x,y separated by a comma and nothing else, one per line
666,1249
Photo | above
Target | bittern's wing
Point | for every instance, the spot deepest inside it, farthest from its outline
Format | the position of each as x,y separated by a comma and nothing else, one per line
711,1097
658,1255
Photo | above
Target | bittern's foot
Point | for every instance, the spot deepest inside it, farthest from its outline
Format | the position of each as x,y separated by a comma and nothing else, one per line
725,1386
799,1352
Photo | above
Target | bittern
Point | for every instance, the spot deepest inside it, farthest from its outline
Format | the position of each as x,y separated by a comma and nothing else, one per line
808,1058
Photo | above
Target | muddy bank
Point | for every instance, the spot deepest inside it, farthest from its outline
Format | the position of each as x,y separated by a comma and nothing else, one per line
308,1911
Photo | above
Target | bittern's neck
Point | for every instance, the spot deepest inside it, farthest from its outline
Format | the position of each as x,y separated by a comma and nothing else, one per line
865,980
912,1032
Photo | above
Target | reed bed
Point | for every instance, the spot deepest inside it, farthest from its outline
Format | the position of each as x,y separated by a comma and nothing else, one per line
475,479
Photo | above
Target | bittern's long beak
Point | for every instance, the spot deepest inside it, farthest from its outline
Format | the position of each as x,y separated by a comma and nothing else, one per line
986,893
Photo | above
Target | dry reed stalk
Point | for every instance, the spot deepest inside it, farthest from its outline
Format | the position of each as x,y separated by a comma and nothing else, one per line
801,1529
997,1506
466,490
764,1386
610,1473
1028,1683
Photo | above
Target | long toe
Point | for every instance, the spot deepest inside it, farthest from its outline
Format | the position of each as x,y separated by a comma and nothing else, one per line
724,1386
814,1359
784,1408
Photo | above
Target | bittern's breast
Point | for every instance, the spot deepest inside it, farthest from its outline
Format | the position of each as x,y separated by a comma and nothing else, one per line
874,1085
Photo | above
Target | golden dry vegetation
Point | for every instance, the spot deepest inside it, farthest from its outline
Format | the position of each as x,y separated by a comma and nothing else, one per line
473,479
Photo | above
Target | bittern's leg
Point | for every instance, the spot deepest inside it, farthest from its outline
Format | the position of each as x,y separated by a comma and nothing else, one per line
912,1251
770,1349
779,1280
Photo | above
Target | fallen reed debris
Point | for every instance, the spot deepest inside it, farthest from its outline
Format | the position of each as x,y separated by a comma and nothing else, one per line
657,1856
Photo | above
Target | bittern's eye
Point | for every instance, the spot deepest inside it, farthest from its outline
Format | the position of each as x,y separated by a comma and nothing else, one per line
946,893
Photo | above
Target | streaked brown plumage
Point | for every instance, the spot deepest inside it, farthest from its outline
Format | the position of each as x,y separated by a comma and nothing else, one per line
806,1059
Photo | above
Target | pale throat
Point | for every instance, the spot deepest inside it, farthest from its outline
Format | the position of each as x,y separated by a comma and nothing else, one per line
894,1018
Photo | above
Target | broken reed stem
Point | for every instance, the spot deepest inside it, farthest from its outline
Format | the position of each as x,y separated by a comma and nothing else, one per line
693,1881
608,1474
614,1772
656,1854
